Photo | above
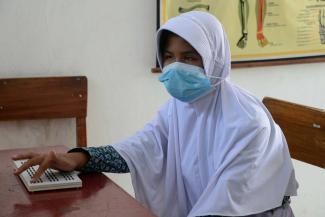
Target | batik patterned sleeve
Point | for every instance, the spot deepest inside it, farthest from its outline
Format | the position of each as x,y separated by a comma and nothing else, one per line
103,159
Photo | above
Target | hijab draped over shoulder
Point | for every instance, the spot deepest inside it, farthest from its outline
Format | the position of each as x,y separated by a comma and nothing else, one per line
219,155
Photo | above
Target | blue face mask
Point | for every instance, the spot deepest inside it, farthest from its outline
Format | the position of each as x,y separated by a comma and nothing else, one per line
185,82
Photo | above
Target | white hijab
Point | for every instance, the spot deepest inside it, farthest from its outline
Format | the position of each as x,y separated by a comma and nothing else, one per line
219,155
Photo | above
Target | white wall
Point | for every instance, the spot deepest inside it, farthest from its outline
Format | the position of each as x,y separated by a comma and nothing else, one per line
112,43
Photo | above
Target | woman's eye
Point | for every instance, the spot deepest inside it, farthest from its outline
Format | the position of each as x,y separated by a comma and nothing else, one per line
167,55
189,58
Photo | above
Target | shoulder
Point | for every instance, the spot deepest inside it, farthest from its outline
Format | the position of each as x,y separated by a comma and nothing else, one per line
250,110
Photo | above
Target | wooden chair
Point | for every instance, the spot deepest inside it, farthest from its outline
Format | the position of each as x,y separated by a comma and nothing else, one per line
46,98
303,127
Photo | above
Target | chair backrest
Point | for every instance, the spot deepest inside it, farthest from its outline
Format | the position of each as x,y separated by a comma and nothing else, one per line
303,127
46,98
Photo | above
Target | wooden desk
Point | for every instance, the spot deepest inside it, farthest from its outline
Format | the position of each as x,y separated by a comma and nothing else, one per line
98,197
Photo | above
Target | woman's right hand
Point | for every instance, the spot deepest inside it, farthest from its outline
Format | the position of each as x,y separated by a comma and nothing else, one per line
59,161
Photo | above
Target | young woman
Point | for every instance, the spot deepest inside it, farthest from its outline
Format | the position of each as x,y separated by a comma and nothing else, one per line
212,150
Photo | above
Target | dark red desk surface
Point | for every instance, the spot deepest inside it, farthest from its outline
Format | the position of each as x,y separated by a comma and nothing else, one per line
98,197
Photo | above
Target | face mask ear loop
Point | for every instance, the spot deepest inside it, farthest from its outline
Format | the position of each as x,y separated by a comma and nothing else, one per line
216,77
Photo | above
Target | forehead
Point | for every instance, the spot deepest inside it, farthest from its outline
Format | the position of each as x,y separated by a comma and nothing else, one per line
175,43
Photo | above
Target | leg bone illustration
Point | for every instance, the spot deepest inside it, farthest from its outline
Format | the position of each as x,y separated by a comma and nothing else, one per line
261,11
194,7
243,15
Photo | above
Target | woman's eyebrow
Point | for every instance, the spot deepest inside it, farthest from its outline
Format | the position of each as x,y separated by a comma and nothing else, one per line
190,52
185,52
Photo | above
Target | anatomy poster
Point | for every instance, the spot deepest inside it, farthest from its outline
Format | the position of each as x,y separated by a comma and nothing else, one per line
262,29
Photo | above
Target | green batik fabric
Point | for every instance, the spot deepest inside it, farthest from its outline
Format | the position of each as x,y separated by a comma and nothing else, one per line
103,159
